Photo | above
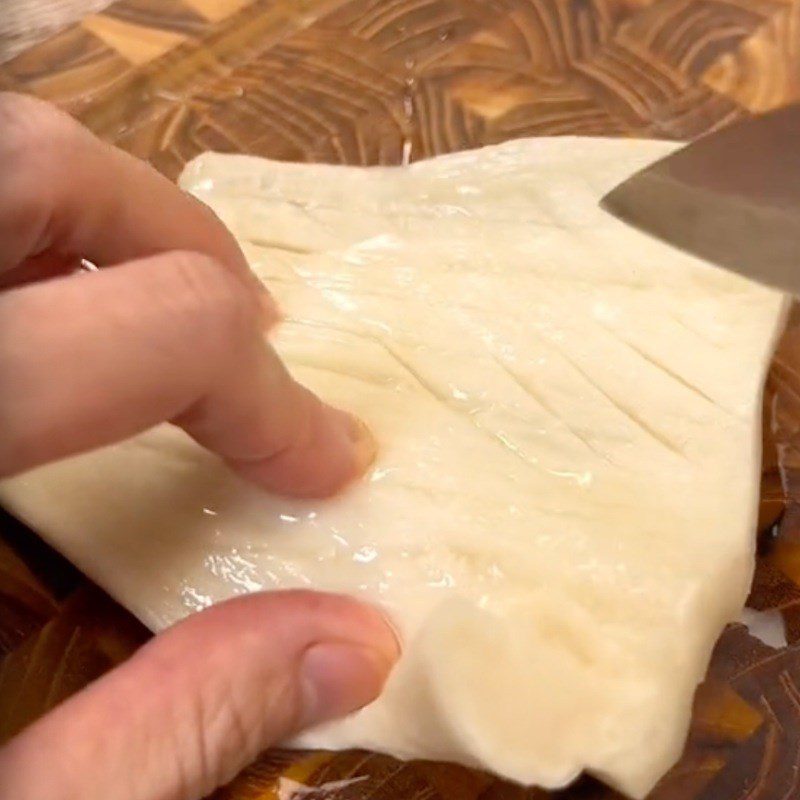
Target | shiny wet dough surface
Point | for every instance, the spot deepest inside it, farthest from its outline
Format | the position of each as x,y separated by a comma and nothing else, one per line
566,491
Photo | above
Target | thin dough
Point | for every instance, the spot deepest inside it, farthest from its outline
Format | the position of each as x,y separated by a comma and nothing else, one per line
561,516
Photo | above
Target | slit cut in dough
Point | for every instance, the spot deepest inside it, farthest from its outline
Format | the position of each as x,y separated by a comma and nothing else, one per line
561,518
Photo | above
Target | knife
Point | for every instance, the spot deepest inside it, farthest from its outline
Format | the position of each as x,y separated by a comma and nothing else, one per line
732,198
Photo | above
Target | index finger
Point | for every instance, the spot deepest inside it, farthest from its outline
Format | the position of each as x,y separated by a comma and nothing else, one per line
64,190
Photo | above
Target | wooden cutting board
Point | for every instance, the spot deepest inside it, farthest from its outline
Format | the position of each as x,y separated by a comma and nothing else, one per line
388,81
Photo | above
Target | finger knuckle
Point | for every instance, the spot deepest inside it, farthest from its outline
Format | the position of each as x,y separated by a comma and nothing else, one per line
209,290
225,736
36,140
31,130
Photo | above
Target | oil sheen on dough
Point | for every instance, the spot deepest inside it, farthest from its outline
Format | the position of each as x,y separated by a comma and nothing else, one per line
561,517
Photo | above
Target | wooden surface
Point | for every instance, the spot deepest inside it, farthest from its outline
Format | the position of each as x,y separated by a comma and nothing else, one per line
385,81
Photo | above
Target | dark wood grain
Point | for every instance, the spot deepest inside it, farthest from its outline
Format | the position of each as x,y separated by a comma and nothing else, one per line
392,81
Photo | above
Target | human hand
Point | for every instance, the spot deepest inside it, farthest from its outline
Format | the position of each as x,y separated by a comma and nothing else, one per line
170,329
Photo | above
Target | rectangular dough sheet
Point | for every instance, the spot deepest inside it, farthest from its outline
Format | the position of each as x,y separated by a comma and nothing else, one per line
561,518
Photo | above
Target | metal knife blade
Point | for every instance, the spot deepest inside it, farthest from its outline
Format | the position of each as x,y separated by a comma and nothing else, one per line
732,198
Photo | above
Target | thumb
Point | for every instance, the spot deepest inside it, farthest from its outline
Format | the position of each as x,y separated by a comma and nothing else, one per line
199,702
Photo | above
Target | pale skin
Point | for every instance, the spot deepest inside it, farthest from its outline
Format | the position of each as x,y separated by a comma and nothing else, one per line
170,329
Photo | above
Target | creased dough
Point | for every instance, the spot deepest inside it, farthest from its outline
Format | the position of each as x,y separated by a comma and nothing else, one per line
561,517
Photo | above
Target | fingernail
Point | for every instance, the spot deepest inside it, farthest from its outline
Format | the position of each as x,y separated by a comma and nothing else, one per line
365,446
338,678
